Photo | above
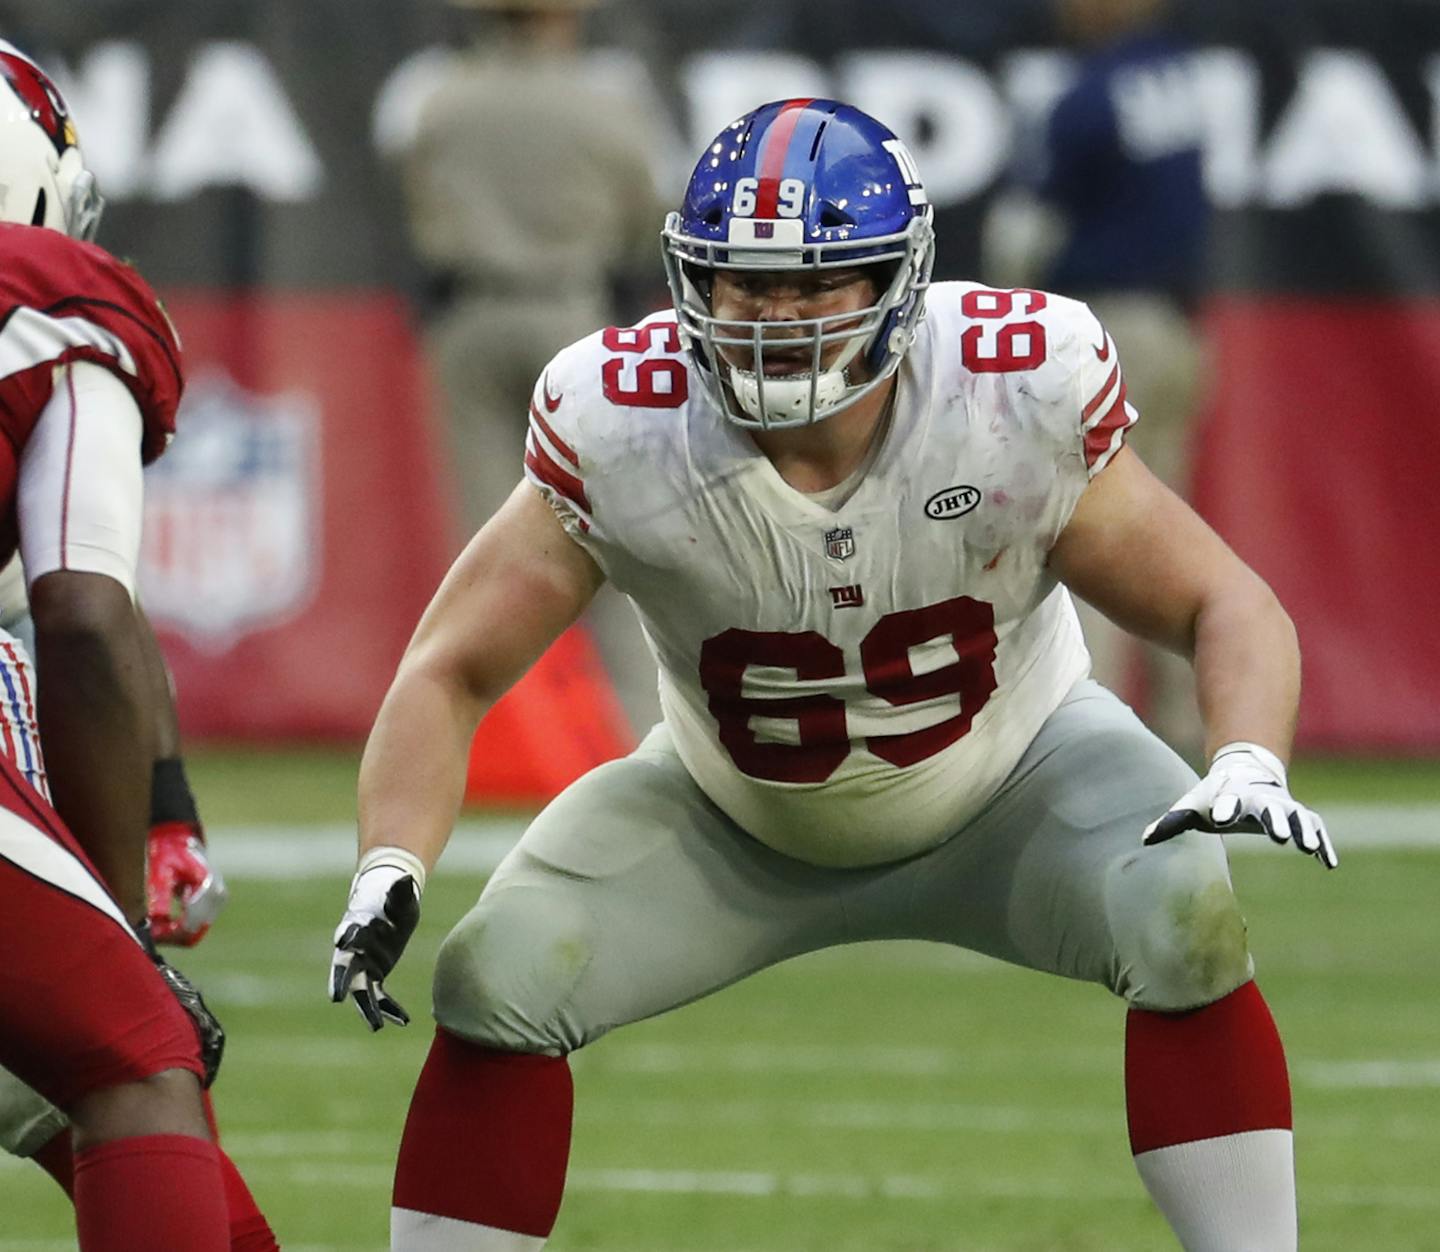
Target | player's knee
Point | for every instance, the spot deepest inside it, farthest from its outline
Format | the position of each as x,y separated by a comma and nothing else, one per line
1185,945
505,974
167,1103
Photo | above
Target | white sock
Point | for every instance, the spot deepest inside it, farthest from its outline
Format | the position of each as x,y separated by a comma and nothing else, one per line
425,1232
1235,1193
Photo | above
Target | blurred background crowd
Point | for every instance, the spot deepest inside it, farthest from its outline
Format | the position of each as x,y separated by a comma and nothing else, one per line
374,222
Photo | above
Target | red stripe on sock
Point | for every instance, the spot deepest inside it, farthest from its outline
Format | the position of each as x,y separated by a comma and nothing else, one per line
487,1139
1215,1071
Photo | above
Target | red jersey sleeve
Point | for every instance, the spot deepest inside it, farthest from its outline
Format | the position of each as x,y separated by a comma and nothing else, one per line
63,300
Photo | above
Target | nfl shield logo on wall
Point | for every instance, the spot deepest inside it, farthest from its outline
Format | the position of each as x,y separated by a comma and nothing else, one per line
840,543
231,540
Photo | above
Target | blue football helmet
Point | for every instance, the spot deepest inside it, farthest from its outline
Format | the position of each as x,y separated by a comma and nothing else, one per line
801,185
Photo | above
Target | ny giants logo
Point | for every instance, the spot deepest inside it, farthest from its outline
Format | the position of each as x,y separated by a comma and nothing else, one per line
847,597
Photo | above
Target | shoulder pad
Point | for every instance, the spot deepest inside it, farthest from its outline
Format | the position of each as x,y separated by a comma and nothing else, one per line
62,299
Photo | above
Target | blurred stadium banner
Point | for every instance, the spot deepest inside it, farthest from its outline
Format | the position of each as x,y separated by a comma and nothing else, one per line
247,154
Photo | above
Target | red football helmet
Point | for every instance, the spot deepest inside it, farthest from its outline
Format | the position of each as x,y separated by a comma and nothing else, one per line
43,179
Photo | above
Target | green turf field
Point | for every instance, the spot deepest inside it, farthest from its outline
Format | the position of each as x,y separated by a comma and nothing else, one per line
885,1098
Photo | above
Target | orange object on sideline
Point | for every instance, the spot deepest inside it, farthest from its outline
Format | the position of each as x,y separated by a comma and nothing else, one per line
562,719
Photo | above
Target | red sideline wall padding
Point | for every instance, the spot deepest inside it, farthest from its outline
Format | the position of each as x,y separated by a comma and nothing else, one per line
1317,462
299,524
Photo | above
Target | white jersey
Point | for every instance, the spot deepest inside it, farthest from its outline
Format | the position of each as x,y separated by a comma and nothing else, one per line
850,685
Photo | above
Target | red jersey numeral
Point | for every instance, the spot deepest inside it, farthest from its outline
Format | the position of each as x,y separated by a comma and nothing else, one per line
822,736
656,383
885,654
1009,346
819,719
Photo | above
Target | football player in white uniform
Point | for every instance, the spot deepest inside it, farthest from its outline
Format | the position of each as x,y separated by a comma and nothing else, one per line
851,533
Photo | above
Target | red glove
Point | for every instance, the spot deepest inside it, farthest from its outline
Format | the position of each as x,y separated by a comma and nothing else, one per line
184,892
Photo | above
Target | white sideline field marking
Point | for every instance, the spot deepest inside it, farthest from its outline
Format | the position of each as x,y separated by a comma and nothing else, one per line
479,844
1355,1075
903,1187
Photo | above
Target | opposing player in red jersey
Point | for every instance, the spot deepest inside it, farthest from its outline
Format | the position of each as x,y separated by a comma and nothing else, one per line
90,378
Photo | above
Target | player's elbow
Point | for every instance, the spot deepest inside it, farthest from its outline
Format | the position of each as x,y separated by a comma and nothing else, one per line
71,607
1267,618
1245,607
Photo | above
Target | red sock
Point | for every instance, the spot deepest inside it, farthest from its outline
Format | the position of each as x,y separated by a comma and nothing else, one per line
148,1193
249,1231
1215,1071
487,1138
57,1159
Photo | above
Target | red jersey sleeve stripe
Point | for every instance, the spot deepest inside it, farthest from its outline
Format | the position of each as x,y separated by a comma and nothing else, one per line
1099,397
560,446
1100,439
540,463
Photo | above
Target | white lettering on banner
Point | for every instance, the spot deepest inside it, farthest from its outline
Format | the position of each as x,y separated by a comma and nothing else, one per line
1157,110
232,515
395,119
1344,131
232,125
945,109
1344,104
721,86
110,100
1230,105
1032,79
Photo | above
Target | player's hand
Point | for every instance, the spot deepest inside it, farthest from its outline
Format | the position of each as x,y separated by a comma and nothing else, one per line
381,916
184,891
207,1025
1246,790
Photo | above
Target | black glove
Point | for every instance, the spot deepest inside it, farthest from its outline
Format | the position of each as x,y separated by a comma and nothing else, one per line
207,1025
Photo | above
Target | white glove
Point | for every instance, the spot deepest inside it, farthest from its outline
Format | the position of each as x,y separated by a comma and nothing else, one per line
1246,790
381,915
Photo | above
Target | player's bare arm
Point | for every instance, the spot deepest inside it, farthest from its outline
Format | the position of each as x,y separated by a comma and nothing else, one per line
518,584
1145,559
96,726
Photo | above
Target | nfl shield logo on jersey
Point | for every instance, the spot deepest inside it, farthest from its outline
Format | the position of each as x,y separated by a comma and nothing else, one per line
840,543
231,514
